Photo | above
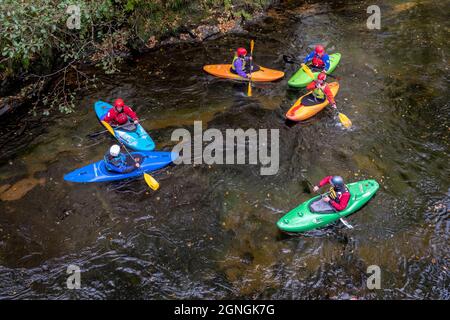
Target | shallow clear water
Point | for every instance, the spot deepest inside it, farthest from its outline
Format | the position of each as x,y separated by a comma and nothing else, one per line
210,231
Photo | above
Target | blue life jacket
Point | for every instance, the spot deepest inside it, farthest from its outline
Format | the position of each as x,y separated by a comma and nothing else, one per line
117,164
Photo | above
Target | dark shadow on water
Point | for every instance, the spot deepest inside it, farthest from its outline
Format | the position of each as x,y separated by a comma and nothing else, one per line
290,123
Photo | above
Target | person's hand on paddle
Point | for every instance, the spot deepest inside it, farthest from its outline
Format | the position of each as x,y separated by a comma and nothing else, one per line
334,106
326,199
316,188
137,163
136,121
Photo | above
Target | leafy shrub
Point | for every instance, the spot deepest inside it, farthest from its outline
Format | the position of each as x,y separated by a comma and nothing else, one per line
34,36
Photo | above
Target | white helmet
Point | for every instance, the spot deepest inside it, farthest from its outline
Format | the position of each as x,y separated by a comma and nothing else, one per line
114,150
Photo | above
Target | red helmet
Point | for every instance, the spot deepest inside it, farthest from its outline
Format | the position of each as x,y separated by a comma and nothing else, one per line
241,51
118,103
319,49
322,76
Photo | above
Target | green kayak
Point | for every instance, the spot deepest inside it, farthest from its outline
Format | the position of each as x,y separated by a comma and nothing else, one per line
300,79
302,219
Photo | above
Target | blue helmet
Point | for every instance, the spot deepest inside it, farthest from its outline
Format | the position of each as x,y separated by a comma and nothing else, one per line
337,181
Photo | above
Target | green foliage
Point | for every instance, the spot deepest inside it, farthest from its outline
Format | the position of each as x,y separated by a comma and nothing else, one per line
35,33
129,6
244,14
27,32
176,4
227,5
109,64
31,30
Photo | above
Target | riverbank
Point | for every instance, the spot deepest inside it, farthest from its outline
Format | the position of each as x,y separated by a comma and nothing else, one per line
43,60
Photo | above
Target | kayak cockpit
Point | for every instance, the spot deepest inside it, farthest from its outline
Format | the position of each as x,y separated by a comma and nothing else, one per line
311,100
320,206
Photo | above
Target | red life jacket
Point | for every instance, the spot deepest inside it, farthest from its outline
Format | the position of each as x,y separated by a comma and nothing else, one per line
115,117
336,194
121,117
318,62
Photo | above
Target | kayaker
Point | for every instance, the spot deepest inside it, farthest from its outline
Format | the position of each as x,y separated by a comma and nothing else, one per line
338,196
321,90
120,114
119,162
241,64
319,59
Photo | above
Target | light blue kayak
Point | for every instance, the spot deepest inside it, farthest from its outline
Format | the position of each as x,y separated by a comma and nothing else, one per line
137,139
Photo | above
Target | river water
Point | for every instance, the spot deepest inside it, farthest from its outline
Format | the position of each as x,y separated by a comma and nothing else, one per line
209,231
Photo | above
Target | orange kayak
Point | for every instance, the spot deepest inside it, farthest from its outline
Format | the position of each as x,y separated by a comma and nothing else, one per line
306,106
262,75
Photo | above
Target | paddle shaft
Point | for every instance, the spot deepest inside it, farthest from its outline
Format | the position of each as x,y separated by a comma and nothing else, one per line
128,152
252,44
309,182
249,90
121,143
344,222
146,175
151,182
111,130
118,127
340,114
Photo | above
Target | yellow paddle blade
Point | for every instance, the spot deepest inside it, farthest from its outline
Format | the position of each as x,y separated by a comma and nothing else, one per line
345,120
152,183
308,71
109,128
249,90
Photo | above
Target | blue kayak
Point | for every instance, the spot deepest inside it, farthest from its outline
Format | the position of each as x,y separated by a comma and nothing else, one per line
97,172
135,137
